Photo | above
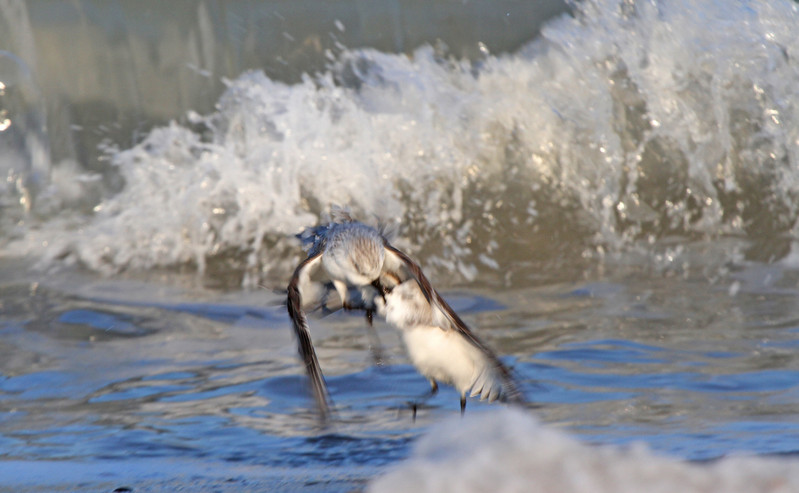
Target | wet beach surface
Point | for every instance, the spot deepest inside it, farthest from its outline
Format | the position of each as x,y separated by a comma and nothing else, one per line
608,195
150,386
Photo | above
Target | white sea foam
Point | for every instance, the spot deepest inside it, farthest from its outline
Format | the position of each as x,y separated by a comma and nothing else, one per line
629,121
506,451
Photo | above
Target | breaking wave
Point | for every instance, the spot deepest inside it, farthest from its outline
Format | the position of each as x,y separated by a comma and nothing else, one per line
626,127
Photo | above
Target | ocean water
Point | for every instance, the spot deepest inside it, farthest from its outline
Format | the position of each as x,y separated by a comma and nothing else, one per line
612,204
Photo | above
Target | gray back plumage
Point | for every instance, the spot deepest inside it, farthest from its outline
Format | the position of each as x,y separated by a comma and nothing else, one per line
361,244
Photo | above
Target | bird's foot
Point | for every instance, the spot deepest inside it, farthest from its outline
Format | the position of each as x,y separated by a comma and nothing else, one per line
420,402
414,406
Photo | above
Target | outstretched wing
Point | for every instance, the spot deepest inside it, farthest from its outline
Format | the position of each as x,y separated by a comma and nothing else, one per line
301,280
401,267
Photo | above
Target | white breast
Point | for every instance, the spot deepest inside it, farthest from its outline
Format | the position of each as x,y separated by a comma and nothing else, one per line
442,355
437,351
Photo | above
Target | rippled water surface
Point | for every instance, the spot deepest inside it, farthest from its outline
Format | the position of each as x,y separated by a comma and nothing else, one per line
142,384
610,196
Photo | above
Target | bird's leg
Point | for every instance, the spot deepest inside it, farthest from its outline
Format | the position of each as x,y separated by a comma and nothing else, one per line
364,301
374,341
369,306
463,405
415,403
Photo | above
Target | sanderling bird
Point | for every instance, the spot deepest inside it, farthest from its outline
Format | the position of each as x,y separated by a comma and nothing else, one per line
443,348
371,275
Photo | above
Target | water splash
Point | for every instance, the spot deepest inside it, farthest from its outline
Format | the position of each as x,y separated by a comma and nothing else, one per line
24,146
624,126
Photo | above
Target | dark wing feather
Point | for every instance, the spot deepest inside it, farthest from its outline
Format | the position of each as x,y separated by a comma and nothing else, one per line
511,390
305,345
403,268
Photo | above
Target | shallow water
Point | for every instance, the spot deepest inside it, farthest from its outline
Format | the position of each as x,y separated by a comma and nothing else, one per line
613,206
147,385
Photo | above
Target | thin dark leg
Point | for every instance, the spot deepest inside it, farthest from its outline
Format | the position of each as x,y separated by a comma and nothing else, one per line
415,404
463,405
374,341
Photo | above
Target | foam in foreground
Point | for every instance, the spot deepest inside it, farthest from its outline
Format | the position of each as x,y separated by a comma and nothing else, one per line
509,451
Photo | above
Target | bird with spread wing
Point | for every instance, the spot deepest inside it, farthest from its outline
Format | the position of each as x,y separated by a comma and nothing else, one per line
369,274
